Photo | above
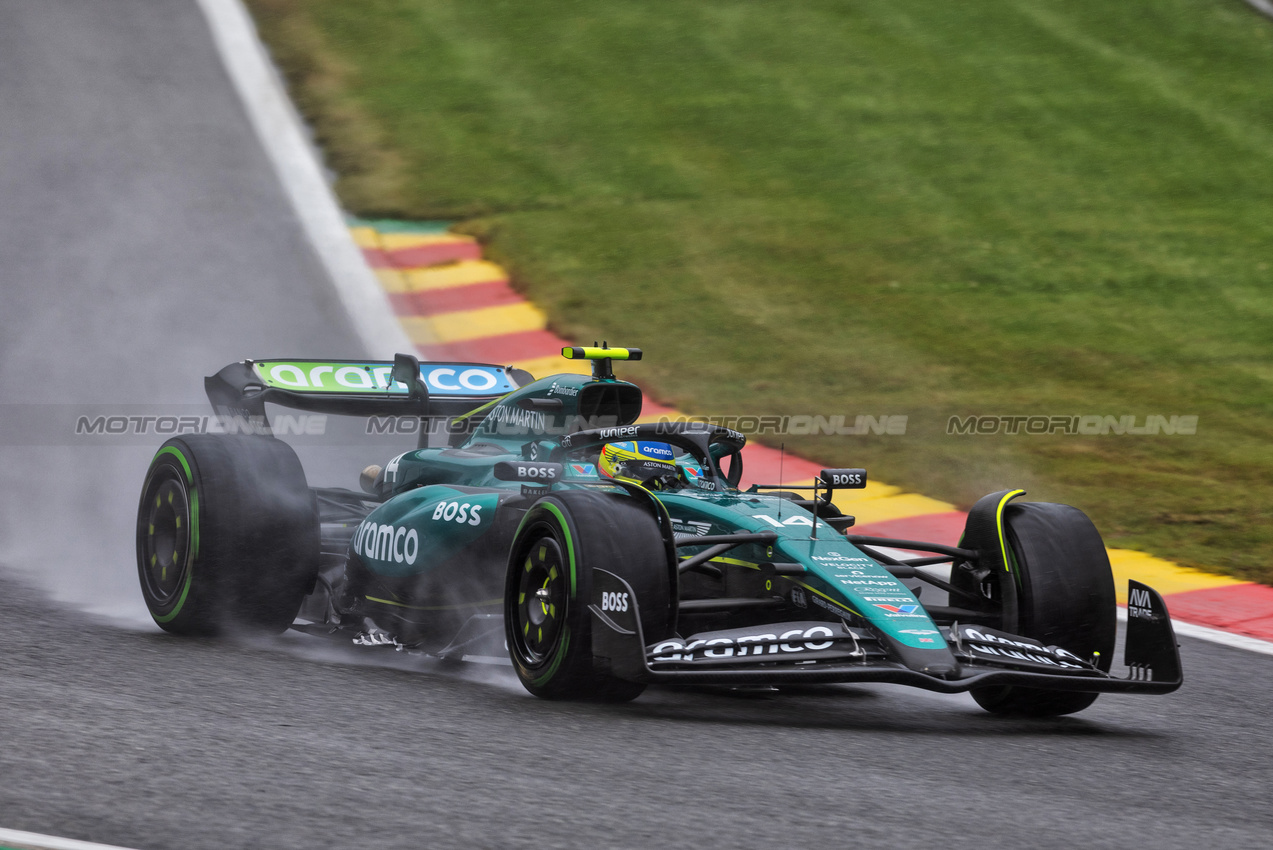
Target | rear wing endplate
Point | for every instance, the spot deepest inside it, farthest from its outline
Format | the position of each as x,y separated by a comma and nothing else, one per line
359,387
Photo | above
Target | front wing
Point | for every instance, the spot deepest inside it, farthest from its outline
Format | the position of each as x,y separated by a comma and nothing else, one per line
830,652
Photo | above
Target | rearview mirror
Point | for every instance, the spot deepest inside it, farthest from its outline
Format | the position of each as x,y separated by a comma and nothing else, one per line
844,479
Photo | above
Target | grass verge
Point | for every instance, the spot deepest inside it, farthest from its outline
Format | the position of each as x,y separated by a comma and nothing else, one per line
1014,207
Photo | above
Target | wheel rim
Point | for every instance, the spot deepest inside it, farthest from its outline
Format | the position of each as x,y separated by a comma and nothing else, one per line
542,593
166,536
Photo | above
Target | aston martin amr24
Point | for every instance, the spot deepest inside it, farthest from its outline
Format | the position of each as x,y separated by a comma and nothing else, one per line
539,519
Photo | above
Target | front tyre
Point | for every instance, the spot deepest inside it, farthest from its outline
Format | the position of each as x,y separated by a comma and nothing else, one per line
548,626
1065,598
227,535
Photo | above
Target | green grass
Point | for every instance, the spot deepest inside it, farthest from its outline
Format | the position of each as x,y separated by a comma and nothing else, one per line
865,207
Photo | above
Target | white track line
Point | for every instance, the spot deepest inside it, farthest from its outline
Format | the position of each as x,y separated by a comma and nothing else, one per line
1213,635
35,841
279,128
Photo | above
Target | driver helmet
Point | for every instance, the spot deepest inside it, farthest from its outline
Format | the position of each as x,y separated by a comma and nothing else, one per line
644,463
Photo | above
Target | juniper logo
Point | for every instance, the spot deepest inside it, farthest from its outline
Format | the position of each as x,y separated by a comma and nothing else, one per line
1085,425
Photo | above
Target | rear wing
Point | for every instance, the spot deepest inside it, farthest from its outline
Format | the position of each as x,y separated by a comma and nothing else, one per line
359,387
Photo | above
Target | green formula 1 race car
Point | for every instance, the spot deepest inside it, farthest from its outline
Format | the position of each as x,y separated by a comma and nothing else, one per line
537,518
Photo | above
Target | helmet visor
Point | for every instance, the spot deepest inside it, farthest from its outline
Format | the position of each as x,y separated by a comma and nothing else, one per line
637,462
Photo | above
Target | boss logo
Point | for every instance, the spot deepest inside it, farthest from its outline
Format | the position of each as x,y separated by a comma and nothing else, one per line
461,512
538,472
614,601
852,479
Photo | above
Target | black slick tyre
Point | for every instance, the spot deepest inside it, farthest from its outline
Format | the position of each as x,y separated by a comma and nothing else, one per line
1065,598
227,535
548,626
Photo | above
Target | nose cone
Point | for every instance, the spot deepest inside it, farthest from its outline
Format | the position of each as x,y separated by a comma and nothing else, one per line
937,662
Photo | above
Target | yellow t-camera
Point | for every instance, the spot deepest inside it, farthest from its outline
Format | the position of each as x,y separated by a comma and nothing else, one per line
601,357
589,353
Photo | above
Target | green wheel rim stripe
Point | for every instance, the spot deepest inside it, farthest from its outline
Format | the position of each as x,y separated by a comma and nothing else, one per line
570,544
570,556
194,532
170,450
557,659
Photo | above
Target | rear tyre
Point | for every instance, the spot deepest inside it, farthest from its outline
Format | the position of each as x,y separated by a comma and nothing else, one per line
1066,598
562,538
227,535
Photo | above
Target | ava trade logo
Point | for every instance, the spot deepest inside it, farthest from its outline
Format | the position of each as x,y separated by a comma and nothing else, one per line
442,379
899,609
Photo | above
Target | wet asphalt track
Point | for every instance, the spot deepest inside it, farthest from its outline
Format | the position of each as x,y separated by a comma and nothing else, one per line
144,243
